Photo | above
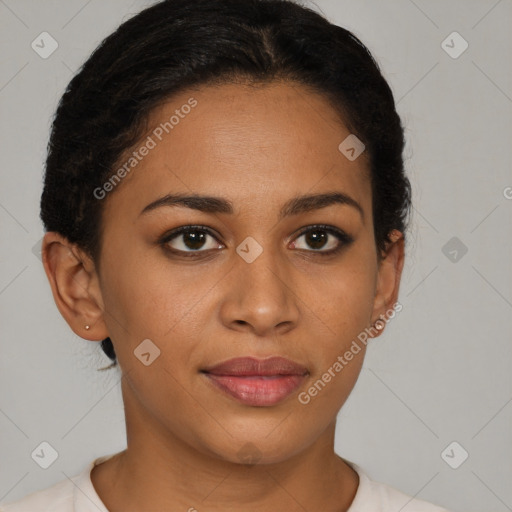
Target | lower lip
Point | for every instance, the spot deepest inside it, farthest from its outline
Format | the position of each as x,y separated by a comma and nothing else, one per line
257,390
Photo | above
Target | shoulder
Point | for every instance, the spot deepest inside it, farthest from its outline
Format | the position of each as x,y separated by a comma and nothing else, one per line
76,494
380,497
58,498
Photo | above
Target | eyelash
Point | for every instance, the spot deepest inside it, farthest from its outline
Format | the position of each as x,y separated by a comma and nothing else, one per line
343,238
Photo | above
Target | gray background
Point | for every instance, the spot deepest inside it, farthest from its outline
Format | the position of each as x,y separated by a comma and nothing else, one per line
442,370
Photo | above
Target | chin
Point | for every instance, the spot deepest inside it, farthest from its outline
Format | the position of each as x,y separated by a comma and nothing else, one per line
258,448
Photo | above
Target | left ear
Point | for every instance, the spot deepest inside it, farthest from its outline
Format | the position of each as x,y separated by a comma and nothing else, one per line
388,277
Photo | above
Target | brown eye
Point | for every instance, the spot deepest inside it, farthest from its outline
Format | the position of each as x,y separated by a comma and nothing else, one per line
322,239
190,239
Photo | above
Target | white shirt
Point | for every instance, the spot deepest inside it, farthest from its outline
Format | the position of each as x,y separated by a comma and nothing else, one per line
82,497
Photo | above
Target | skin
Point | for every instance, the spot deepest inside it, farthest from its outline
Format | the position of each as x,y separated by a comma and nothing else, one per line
256,146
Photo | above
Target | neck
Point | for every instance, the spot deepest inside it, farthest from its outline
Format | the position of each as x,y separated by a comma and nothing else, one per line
159,471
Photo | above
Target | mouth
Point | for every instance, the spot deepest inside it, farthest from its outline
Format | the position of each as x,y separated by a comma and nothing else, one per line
257,382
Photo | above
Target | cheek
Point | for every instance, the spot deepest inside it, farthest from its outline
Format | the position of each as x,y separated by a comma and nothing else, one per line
345,304
344,298
149,298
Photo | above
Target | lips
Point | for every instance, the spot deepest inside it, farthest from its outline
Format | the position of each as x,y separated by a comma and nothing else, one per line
257,382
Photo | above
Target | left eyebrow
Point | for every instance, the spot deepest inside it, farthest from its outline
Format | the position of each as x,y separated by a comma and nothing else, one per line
301,204
294,206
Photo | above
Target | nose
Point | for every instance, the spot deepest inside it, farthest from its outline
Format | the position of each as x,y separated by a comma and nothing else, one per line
260,296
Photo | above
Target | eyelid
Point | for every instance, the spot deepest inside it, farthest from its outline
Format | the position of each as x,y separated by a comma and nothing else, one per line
325,227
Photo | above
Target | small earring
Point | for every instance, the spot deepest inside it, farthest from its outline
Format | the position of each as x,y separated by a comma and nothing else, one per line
379,323
87,327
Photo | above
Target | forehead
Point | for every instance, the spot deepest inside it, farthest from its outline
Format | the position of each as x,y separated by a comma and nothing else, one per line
251,143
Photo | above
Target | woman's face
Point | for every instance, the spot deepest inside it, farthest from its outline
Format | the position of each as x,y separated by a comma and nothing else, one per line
249,283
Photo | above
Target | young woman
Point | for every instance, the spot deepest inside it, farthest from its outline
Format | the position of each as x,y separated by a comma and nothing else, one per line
226,205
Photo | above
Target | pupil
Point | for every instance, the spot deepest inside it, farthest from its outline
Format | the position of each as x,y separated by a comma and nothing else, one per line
195,238
316,239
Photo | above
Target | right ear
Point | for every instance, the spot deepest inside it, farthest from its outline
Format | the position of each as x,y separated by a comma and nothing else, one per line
75,286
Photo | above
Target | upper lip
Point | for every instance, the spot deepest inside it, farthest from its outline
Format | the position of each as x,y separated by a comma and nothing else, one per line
252,366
